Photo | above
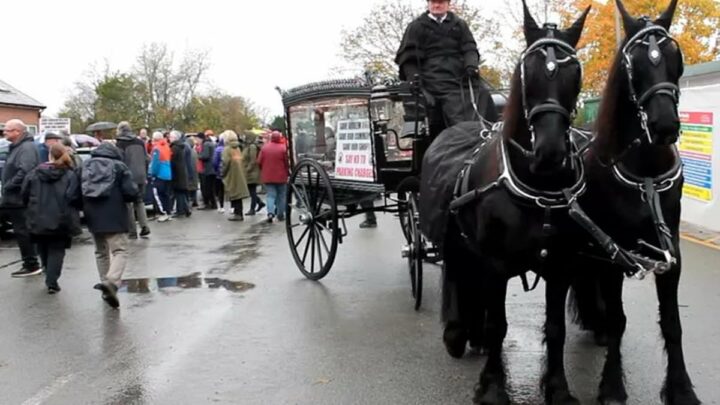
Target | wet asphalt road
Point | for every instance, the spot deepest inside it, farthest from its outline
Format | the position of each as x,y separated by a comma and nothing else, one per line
252,330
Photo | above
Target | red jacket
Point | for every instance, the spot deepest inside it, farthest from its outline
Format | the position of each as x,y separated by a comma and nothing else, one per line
273,162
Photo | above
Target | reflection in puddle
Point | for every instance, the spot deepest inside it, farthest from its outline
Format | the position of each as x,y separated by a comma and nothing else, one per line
195,280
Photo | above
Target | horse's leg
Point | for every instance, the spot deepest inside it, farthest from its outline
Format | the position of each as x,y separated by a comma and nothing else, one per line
678,389
554,381
492,390
455,331
612,385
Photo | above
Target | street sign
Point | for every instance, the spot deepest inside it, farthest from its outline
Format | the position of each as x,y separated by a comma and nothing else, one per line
54,124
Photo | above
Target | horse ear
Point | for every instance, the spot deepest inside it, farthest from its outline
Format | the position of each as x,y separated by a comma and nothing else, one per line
532,31
666,18
629,22
575,31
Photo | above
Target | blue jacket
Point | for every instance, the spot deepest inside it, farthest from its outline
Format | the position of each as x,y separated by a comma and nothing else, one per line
217,159
160,167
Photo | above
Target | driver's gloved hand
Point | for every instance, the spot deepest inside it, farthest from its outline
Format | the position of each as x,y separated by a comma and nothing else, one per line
471,72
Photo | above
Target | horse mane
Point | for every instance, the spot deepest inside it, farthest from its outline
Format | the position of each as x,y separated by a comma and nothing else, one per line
612,104
513,113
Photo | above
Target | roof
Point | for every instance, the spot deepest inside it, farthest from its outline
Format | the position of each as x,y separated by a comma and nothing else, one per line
328,88
11,96
702,69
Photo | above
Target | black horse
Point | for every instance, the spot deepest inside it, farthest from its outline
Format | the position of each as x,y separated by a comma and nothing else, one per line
508,213
634,180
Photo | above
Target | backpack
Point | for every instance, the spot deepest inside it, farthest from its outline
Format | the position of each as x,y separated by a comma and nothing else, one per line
98,178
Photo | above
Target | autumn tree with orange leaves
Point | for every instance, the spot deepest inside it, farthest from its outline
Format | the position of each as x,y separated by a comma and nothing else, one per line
696,27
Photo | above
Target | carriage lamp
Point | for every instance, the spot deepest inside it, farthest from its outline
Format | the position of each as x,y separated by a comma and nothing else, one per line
380,104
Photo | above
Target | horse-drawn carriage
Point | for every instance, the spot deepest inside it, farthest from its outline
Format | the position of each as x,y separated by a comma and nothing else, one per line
350,143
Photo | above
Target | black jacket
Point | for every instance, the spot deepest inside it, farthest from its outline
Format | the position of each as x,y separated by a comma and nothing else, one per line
179,165
134,155
52,196
107,185
206,156
440,53
22,158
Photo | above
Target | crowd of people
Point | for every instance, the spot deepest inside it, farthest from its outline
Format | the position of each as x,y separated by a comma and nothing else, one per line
45,187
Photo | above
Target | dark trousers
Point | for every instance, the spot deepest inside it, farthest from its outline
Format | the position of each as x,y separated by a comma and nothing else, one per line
220,191
207,188
237,207
52,255
255,202
27,248
369,215
182,206
161,192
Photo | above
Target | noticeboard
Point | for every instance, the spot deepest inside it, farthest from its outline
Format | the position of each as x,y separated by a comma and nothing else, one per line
696,150
354,150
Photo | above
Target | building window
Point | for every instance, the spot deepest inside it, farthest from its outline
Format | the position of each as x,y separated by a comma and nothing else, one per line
32,129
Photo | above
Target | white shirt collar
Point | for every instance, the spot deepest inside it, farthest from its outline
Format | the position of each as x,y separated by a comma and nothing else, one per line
437,19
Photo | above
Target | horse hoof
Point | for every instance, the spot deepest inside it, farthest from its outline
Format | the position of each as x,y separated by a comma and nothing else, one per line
563,398
492,395
612,402
684,398
455,339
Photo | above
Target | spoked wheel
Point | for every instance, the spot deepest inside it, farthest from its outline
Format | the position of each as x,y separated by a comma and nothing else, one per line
415,249
312,219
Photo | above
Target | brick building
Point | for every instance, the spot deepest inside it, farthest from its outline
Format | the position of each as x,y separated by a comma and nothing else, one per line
16,104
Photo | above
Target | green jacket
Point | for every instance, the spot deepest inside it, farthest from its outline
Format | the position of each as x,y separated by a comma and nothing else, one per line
252,170
233,172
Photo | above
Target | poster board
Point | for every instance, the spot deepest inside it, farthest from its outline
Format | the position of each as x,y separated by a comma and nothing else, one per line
354,158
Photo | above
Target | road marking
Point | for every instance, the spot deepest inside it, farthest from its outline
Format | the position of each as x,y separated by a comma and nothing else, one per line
705,243
45,393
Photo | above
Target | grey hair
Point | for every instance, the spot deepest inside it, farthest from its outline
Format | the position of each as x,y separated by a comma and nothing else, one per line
157,135
123,127
175,135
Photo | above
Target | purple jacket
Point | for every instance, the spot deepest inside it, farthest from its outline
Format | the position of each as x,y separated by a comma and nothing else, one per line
217,159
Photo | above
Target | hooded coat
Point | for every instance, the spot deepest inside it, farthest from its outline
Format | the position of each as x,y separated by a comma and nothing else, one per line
107,186
192,164
52,196
233,172
273,161
250,159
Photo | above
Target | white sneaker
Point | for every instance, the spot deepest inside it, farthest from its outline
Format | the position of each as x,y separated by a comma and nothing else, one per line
163,218
221,210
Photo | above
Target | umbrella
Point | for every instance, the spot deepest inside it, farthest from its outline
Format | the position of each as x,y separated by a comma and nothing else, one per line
101,126
82,139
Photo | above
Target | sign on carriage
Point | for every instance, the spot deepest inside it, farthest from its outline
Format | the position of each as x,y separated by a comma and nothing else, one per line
353,159
696,150
54,124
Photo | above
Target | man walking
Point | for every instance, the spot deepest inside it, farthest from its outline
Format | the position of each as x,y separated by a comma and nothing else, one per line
136,159
180,179
107,187
208,174
22,158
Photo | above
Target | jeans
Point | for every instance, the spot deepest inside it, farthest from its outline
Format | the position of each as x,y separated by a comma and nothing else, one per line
27,248
52,255
161,191
111,256
181,199
276,199
255,201
136,211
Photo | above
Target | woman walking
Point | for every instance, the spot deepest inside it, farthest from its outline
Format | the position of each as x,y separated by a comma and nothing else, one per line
52,195
274,169
219,185
252,171
233,175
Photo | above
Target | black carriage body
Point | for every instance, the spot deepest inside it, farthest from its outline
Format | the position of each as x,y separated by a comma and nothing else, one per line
330,121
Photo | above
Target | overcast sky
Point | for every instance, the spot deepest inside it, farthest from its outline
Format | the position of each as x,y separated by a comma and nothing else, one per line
254,45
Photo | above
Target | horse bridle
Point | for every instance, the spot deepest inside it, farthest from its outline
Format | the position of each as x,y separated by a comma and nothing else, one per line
546,46
648,36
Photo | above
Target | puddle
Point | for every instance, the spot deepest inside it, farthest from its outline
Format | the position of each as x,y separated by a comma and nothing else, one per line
197,280
241,250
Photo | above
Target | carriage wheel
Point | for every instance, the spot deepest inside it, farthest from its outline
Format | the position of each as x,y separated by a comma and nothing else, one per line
313,231
415,250
403,215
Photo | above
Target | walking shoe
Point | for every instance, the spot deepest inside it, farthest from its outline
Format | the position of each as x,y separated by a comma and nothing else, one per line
145,231
368,224
221,210
54,289
236,217
109,294
163,218
270,219
133,235
250,213
27,272
261,206
280,218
